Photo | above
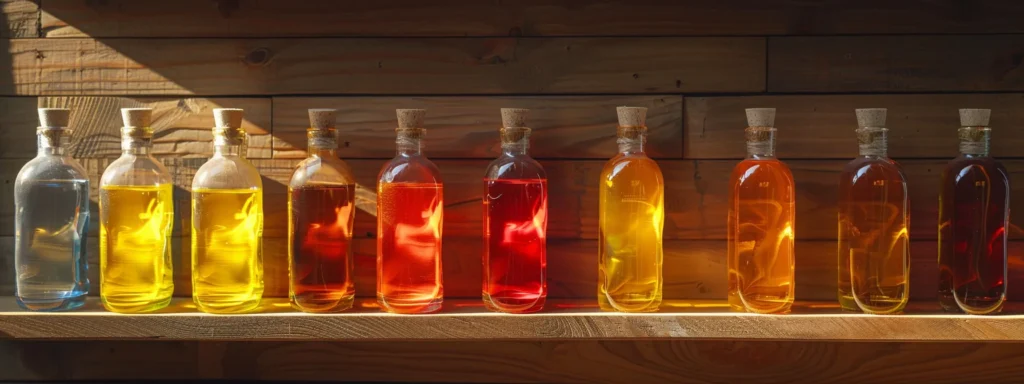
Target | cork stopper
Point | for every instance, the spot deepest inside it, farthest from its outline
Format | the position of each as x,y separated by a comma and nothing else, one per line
871,117
54,117
632,116
514,117
228,117
974,117
760,117
137,117
411,118
322,118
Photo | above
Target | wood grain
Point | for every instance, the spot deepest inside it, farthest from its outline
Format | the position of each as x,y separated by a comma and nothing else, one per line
20,18
466,127
123,18
383,66
85,360
896,63
821,126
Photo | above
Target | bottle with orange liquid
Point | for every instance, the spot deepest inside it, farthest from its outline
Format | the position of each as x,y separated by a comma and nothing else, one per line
974,210
515,223
410,210
874,214
321,209
761,223
632,216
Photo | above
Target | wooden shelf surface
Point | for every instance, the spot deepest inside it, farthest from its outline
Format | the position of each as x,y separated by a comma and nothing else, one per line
468,320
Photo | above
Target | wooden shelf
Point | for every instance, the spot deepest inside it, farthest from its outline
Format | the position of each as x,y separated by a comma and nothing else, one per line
468,320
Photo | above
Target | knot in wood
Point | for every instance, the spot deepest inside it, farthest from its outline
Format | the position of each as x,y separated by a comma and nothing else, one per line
258,56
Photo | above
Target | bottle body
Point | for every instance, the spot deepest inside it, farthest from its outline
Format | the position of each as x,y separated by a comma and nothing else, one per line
410,212
515,235
321,212
760,236
632,216
973,218
874,246
227,235
136,218
51,198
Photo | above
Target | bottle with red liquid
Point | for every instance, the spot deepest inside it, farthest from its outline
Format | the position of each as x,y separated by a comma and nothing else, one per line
974,210
515,223
321,208
410,210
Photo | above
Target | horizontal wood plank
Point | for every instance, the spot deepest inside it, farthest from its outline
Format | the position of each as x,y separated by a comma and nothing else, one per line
125,18
382,66
821,126
20,18
466,127
895,63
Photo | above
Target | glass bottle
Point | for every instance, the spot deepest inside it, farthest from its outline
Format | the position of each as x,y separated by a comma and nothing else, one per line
974,210
632,216
874,214
51,201
321,209
515,223
136,218
761,223
410,211
227,223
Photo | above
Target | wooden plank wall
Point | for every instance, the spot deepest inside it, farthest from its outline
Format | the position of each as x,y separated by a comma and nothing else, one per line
695,64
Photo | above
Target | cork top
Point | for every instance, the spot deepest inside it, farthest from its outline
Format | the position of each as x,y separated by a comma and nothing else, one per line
137,117
871,117
410,118
974,117
228,117
322,118
761,117
514,117
54,117
632,116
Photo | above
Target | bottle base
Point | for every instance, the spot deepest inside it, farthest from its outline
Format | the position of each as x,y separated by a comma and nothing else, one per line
773,307
633,306
409,306
51,305
227,307
980,307
514,303
120,305
322,302
887,306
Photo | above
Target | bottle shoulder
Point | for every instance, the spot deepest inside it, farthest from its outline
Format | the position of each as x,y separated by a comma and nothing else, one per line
316,170
630,166
873,168
227,172
969,169
758,169
515,167
135,170
50,167
410,169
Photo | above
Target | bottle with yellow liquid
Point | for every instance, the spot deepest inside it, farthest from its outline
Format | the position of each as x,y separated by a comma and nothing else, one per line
762,217
227,223
632,216
136,214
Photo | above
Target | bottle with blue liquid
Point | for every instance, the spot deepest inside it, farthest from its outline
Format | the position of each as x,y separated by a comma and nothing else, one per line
51,201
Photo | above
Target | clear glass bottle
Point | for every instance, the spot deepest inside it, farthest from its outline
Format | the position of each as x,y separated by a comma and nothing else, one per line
761,223
632,217
874,217
974,211
51,201
136,218
515,223
227,223
321,210
410,212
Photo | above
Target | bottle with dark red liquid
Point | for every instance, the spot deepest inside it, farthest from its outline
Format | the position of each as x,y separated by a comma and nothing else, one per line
515,223
321,208
410,211
974,210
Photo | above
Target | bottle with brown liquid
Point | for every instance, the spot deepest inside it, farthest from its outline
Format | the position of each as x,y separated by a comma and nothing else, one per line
874,214
974,211
761,223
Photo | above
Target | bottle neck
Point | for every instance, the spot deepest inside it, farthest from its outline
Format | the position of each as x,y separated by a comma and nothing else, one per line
518,148
631,139
322,143
975,141
226,150
873,142
229,142
52,142
407,146
760,142
142,150
136,140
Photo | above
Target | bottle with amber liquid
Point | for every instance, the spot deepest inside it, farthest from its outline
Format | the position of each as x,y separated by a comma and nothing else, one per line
761,223
515,223
410,210
974,210
136,217
632,216
321,210
227,223
874,214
